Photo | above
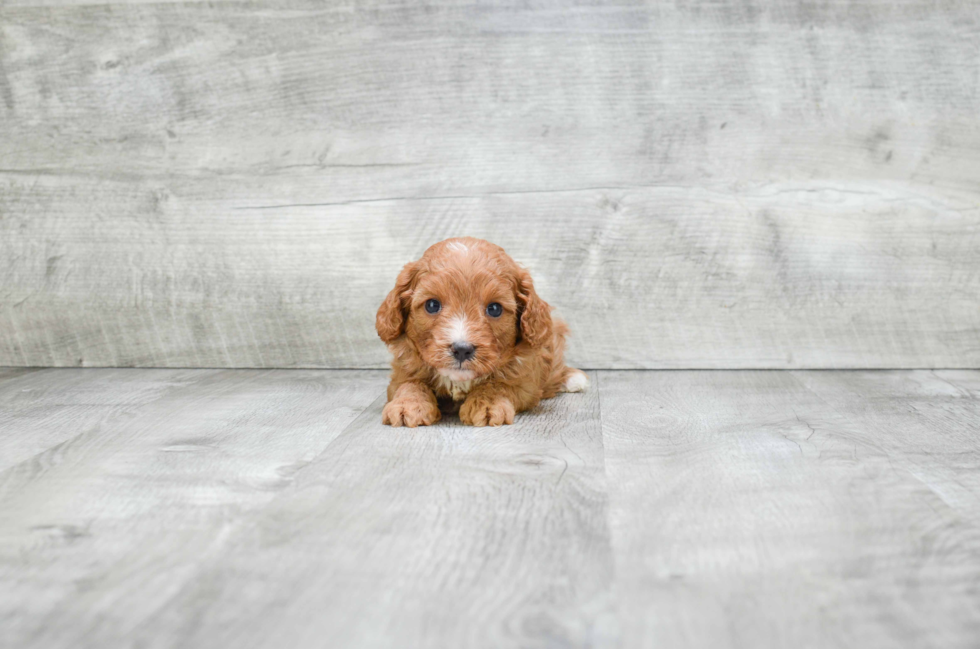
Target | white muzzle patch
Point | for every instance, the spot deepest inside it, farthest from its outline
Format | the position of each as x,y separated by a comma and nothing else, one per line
457,331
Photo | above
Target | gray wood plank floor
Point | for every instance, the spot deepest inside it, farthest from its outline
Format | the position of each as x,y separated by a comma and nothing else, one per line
269,508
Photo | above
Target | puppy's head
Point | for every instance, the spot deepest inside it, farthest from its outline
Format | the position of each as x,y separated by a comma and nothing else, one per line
465,306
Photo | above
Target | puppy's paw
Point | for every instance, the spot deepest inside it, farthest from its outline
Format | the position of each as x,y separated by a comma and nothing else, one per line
576,381
487,410
410,412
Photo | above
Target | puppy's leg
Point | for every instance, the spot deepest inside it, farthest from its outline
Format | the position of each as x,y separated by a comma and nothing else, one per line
565,379
489,404
413,404
562,377
575,380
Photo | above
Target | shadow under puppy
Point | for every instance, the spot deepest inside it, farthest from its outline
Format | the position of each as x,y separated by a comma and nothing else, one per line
465,325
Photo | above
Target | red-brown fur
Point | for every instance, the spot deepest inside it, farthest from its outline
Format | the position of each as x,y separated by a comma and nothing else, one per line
519,355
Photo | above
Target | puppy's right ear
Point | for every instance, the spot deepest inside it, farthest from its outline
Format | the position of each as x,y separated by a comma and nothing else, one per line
390,321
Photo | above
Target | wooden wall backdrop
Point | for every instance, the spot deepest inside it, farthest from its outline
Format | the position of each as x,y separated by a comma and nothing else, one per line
718,184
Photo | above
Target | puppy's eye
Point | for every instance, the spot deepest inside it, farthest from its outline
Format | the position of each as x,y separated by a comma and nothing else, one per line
494,309
432,306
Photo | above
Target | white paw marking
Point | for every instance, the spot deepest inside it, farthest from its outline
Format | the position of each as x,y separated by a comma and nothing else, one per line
576,381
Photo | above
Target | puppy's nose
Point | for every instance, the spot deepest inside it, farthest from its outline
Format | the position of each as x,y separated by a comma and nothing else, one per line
463,352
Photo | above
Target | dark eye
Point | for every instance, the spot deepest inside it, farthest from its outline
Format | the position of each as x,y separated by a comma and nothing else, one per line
432,306
494,309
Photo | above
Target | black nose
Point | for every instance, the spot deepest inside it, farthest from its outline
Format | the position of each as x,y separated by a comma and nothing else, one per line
463,352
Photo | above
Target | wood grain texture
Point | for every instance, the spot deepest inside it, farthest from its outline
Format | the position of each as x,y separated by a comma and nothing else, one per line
446,536
794,509
145,473
204,508
757,184
186,533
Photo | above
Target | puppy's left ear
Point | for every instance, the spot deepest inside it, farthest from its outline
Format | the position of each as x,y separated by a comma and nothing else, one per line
390,321
535,321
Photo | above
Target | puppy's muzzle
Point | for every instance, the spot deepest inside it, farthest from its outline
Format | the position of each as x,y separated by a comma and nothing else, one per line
463,351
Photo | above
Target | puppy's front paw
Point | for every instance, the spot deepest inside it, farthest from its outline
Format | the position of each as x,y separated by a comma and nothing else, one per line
410,412
486,410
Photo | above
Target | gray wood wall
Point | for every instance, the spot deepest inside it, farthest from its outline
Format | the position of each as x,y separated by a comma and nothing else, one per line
694,184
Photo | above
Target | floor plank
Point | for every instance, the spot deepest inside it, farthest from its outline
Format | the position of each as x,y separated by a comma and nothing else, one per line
449,536
794,509
42,408
148,471
204,508
928,423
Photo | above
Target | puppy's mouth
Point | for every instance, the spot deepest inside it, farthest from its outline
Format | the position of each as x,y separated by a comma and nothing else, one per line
457,373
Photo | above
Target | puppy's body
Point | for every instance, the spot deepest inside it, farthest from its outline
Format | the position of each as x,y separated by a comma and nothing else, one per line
492,348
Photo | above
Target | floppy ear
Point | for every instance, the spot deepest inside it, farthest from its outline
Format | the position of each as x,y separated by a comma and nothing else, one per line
390,321
535,320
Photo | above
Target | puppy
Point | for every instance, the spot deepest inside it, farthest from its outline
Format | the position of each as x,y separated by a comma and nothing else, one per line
467,331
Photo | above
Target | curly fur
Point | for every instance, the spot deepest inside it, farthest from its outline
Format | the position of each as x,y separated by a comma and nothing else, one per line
519,356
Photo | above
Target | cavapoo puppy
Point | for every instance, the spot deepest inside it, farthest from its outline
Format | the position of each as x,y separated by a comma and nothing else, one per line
465,325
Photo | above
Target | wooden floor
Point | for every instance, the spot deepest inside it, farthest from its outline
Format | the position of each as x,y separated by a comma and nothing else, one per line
270,508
